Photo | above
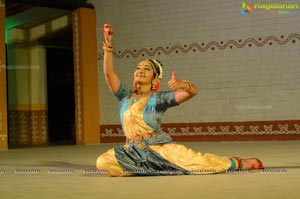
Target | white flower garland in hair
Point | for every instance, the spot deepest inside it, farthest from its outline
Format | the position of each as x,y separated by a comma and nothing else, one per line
160,68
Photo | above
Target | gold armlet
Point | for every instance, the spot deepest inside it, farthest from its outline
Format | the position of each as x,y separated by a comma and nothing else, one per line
188,85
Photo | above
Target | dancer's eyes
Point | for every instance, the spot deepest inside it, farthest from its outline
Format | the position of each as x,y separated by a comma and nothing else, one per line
147,68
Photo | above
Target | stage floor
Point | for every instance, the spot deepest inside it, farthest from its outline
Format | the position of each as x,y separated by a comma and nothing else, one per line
68,172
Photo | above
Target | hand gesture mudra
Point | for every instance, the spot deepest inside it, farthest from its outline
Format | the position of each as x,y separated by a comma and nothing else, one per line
174,83
107,43
107,32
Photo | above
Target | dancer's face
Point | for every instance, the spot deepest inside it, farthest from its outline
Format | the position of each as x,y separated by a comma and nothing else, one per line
143,73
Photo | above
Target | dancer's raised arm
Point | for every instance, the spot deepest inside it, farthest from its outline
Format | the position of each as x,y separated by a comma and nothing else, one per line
111,78
184,90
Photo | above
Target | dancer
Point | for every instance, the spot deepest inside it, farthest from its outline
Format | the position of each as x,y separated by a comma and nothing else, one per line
148,150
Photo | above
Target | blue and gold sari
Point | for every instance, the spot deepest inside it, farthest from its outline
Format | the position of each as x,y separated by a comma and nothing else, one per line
149,151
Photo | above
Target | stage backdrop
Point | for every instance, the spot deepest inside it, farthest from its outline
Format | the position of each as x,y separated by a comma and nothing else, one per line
243,57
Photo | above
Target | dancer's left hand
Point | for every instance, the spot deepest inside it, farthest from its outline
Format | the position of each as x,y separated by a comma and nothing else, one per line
174,83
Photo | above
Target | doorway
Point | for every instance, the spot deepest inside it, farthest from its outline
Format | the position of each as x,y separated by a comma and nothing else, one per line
60,87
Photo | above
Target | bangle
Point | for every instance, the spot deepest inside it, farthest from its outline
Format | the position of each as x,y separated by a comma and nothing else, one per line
188,85
108,47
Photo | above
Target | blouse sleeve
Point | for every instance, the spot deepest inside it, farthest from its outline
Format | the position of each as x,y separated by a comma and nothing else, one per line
166,99
122,92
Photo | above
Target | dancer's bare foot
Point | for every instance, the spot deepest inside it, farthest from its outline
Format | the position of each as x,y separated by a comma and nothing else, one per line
252,163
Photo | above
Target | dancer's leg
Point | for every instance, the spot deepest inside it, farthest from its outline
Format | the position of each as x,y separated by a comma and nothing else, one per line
194,161
107,161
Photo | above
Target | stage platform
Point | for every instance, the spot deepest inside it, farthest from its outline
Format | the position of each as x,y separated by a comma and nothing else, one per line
69,172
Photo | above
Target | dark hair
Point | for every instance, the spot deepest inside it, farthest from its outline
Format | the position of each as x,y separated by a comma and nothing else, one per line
157,67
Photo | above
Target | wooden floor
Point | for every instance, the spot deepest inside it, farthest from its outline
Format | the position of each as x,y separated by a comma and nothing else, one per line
68,172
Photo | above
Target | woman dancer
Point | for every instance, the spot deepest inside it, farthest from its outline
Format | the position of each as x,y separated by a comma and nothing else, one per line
149,151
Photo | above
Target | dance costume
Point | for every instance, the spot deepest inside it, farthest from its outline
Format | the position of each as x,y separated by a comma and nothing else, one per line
150,151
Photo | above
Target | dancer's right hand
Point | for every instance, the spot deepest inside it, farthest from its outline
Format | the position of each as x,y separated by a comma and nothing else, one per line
107,32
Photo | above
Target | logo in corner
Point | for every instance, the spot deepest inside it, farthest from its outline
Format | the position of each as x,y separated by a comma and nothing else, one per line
246,9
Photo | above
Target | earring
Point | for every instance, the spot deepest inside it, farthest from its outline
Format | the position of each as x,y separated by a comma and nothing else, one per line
155,86
136,86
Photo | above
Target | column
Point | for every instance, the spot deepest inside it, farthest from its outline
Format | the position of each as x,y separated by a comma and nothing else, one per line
3,94
86,76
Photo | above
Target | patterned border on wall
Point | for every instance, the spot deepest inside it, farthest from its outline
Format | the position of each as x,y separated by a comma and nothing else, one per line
218,131
77,84
213,45
28,127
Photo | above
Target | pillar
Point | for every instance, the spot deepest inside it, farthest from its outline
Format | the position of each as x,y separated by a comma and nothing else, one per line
3,93
86,76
